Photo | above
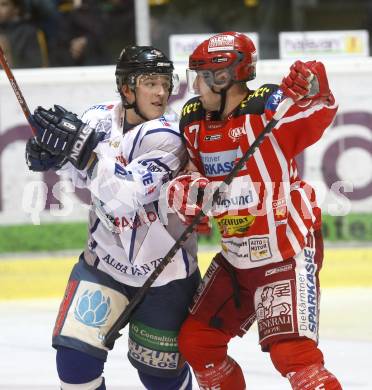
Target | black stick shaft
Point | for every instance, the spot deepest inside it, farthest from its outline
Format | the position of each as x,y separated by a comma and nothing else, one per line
123,319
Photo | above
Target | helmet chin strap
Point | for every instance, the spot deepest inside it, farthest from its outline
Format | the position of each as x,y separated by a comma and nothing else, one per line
134,106
223,94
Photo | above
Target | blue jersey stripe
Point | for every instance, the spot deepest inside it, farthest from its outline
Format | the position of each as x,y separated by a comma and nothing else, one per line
134,144
161,130
156,205
96,262
133,239
186,261
165,166
95,226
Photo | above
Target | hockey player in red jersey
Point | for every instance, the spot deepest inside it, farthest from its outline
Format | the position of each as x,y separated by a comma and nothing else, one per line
270,225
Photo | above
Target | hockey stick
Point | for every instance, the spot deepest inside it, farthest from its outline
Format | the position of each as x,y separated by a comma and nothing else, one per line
123,319
16,89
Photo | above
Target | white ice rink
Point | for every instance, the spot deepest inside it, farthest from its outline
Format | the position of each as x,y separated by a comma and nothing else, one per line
27,360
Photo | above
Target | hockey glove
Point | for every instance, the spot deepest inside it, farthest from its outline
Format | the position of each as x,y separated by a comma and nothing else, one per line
39,160
307,84
62,133
185,196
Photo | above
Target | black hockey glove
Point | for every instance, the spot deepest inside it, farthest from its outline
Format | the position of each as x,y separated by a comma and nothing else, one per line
62,133
39,160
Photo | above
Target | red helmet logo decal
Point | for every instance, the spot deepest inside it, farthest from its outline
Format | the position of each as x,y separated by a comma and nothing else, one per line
221,43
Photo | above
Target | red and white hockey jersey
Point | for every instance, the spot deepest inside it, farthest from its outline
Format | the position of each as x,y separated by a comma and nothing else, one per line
267,211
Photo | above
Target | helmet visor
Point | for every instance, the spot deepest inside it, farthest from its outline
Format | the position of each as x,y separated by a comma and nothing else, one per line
154,81
215,80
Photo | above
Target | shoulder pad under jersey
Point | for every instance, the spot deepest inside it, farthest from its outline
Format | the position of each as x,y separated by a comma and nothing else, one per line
164,123
255,101
191,112
98,110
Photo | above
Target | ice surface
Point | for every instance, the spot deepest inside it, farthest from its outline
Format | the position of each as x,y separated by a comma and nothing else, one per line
27,360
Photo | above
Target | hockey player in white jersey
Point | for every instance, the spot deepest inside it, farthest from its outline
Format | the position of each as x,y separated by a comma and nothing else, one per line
123,152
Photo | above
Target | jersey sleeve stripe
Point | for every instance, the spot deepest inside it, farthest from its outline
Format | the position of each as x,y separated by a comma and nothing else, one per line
95,226
133,239
264,173
165,166
306,200
299,115
292,238
160,130
134,145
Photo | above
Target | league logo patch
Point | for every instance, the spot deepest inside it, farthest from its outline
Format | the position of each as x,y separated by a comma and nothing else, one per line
92,308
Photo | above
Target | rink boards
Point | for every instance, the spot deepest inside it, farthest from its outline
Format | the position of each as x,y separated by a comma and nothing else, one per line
46,277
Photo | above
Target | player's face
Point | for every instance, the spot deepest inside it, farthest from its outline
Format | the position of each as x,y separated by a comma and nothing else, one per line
210,100
152,93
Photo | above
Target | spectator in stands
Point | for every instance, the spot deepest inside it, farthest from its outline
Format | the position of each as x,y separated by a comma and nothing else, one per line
44,14
119,25
25,44
80,38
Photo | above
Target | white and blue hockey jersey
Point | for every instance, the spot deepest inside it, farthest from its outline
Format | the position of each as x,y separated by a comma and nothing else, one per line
130,226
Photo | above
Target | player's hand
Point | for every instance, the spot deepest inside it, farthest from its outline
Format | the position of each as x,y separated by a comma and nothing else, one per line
185,196
307,84
39,160
62,133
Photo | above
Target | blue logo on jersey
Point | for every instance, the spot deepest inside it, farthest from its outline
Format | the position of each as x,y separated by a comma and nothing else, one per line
274,100
218,169
103,107
92,308
219,163
120,171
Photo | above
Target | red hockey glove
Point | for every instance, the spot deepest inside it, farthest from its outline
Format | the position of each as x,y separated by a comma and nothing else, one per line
185,196
307,84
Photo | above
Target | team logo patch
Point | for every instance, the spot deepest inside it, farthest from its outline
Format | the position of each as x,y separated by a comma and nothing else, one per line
221,43
236,133
92,308
104,126
274,309
259,249
280,211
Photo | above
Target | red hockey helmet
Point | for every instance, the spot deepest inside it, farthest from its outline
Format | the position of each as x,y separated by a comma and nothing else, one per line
226,50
